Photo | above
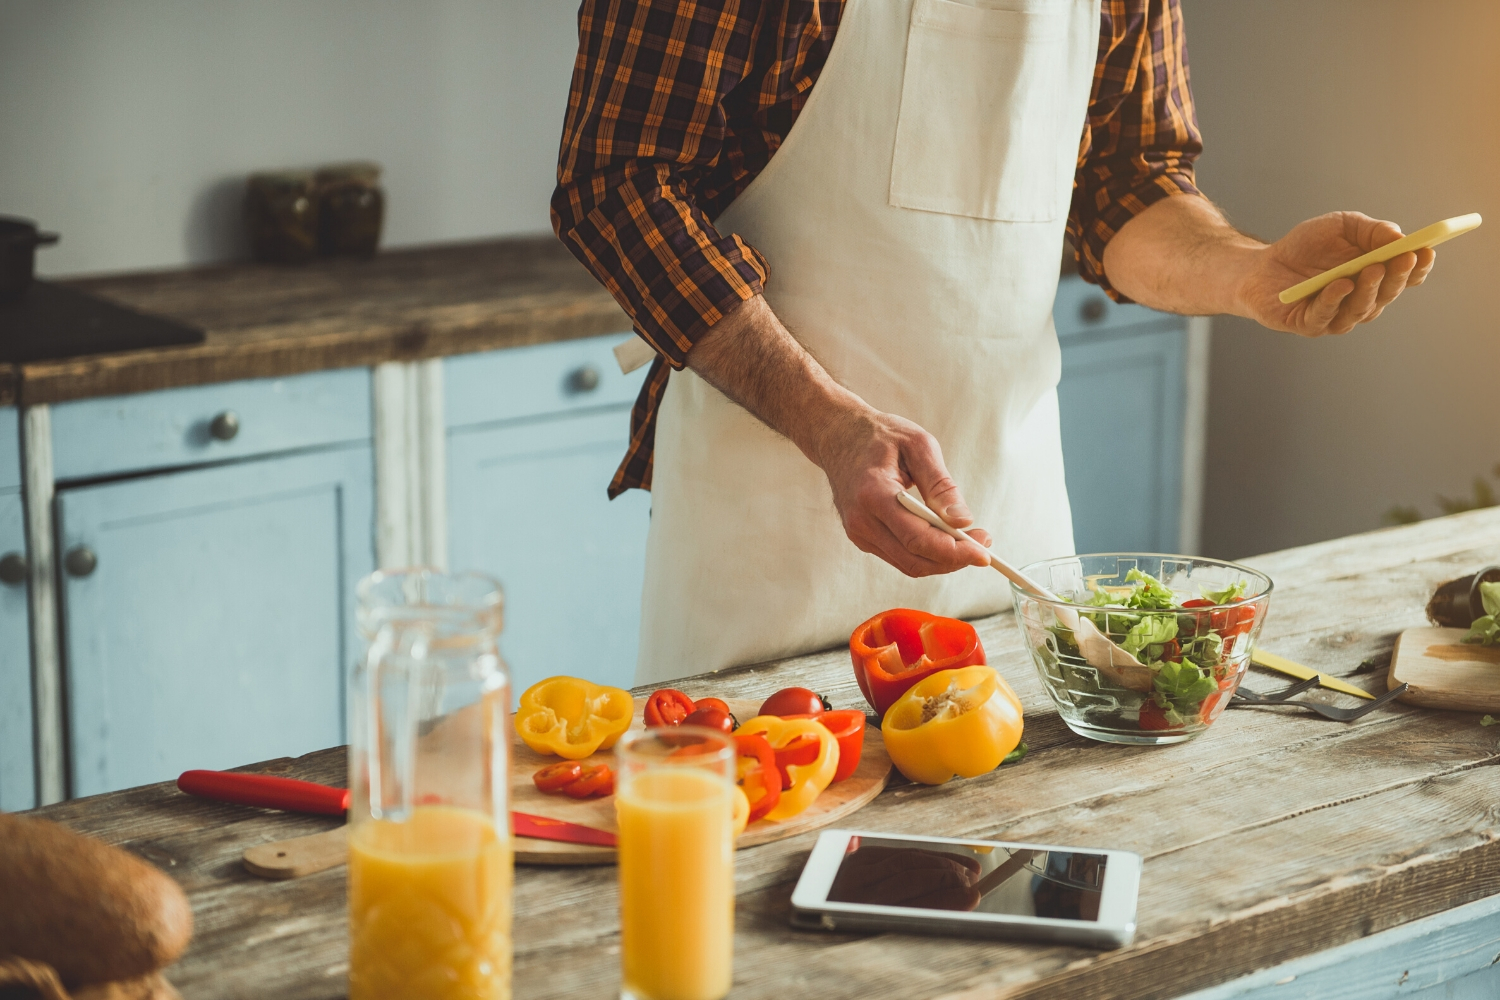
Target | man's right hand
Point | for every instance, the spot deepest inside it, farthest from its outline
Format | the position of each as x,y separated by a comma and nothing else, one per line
867,455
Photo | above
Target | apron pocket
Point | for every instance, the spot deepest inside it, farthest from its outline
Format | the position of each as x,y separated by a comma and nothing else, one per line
982,99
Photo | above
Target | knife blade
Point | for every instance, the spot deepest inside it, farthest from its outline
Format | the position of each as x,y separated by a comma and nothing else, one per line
294,795
1282,665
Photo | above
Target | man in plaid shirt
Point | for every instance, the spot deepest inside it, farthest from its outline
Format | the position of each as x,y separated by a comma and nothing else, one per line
936,146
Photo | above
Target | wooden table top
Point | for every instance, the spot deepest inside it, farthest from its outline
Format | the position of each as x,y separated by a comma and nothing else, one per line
1273,835
265,320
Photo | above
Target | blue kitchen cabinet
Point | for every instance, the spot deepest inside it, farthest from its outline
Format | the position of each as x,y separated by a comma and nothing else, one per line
207,608
17,771
534,436
1123,403
208,614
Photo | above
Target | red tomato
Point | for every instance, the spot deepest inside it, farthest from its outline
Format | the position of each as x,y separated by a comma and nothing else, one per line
667,707
718,703
795,701
556,777
1213,706
597,780
1154,717
710,718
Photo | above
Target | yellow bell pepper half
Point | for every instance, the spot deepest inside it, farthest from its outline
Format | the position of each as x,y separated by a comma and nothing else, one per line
808,780
954,723
572,717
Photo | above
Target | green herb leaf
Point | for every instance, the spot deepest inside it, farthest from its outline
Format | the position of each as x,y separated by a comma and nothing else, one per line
1484,632
1489,594
1489,720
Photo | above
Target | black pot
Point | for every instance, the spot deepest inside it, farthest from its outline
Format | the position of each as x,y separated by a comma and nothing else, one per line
18,242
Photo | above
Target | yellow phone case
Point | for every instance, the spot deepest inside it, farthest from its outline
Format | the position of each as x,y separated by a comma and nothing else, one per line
1434,234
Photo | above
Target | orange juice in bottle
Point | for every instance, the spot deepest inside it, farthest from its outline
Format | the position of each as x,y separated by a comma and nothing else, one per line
430,907
430,858
676,828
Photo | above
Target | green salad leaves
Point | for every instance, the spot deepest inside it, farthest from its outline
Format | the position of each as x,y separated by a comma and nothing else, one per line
1486,630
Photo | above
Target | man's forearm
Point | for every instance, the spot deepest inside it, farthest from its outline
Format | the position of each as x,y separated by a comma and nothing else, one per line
750,357
1181,255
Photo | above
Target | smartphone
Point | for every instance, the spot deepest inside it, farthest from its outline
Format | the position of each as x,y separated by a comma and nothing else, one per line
858,880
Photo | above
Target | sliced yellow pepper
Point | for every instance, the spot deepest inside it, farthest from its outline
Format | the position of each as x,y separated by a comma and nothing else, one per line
954,723
808,780
572,717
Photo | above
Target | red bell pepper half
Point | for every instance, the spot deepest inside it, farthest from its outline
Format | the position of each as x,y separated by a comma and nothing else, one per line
897,648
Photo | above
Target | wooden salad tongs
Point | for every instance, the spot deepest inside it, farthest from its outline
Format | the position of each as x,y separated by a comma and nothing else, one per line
1101,653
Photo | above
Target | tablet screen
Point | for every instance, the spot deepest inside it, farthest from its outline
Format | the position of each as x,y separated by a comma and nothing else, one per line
979,878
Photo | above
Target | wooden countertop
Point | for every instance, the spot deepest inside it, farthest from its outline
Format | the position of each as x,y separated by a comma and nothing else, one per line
1273,835
267,320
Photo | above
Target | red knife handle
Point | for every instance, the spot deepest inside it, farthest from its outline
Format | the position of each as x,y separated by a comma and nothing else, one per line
266,790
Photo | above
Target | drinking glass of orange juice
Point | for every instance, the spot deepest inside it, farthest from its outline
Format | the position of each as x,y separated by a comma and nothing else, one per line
674,801
430,863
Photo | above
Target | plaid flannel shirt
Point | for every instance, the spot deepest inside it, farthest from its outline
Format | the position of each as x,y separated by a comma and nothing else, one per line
677,105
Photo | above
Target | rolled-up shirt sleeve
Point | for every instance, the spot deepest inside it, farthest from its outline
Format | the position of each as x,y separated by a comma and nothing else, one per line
645,116
1142,134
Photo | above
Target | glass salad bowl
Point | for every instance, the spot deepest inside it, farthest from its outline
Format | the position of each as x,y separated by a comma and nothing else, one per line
1141,648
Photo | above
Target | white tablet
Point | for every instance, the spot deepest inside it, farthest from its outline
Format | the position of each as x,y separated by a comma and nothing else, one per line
859,880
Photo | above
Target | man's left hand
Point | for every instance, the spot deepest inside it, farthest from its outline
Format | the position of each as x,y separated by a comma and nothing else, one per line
1312,248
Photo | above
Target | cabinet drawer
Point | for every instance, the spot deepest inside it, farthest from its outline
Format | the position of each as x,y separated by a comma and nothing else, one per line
173,427
543,380
1084,308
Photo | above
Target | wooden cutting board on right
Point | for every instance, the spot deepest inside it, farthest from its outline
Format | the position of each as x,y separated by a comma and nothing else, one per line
1444,672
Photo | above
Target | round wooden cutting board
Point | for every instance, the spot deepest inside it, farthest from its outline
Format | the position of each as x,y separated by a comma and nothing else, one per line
836,802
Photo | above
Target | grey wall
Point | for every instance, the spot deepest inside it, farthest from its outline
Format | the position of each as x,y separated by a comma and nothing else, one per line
128,125
1383,106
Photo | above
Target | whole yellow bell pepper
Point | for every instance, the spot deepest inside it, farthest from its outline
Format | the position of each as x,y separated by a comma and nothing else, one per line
572,717
807,780
954,723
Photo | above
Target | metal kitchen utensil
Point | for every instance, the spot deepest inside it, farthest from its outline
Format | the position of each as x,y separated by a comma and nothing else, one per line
1431,236
1245,698
1282,665
1096,647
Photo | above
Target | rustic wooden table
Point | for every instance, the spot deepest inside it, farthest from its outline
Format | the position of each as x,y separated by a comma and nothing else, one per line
1274,835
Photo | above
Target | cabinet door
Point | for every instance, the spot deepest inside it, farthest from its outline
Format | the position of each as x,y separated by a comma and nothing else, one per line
17,775
1122,405
527,504
216,624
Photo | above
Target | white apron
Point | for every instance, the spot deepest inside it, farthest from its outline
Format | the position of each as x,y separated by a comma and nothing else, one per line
912,221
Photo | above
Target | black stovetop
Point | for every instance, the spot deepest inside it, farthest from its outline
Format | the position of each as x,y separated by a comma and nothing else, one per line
54,321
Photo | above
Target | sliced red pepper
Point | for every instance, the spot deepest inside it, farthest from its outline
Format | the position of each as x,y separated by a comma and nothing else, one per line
597,780
801,752
897,648
848,727
668,707
556,777
757,775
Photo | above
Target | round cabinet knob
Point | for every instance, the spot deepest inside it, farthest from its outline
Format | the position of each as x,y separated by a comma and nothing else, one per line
1093,309
225,426
585,379
80,561
13,569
